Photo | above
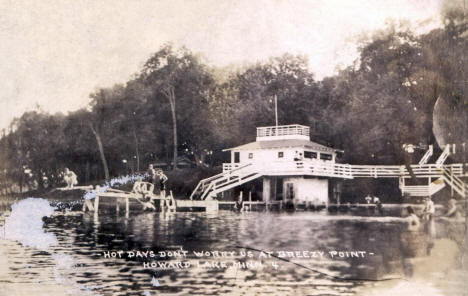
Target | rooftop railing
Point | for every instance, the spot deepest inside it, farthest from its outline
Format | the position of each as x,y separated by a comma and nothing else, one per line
283,130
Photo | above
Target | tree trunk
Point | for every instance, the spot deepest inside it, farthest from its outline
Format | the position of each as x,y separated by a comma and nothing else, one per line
101,152
137,152
170,95
408,160
174,135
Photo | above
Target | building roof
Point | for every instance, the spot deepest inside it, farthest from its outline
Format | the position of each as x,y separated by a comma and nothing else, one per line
286,143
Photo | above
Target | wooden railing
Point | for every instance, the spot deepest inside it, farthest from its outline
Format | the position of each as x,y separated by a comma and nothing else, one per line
423,190
348,171
457,184
283,130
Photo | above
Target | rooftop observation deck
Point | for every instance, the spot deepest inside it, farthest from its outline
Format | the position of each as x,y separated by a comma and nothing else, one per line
282,132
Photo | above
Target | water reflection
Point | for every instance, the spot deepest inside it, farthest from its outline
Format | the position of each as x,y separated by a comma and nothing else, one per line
393,254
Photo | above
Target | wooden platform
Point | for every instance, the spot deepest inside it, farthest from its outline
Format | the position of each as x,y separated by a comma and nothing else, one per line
209,206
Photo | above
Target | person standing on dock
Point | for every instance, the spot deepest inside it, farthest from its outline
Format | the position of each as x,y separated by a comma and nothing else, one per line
70,178
160,181
151,174
429,227
378,205
429,209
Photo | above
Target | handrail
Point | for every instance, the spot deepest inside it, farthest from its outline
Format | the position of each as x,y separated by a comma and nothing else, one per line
455,182
238,175
427,155
443,156
202,182
353,171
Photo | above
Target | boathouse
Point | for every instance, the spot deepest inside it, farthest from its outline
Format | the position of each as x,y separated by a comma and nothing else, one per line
289,165
282,152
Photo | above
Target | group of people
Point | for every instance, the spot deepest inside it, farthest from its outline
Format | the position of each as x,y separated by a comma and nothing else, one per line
428,215
376,201
155,176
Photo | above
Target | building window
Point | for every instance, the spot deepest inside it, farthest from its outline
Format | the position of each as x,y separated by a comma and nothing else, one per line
326,156
310,154
236,157
250,155
280,154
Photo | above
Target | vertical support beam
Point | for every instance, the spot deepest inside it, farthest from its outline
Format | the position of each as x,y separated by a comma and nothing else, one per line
96,204
117,205
451,183
127,207
266,189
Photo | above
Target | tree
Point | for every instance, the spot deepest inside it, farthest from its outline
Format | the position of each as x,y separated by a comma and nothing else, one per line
182,80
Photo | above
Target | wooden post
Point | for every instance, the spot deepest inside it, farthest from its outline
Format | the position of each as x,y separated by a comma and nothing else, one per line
117,205
96,204
266,189
451,182
127,207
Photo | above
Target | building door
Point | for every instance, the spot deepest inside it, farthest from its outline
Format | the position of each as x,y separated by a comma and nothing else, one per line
278,188
289,190
236,157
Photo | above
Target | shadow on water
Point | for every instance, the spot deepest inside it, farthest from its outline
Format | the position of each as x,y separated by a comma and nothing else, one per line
366,251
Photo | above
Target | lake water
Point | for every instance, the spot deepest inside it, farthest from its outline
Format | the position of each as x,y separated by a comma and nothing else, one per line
386,259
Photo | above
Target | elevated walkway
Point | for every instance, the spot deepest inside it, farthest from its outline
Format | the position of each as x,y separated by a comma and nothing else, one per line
233,175
438,174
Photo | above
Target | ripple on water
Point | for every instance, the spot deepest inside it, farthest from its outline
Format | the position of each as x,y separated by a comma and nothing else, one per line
85,238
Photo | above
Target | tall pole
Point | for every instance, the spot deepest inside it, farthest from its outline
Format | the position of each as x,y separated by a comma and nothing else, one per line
276,110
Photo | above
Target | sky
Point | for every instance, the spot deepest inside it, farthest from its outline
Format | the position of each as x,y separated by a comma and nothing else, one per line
53,53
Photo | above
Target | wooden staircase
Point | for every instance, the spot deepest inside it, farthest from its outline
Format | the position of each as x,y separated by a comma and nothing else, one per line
422,190
210,187
455,182
445,153
448,178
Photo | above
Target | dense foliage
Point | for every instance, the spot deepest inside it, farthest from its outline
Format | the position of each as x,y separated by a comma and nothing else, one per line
177,105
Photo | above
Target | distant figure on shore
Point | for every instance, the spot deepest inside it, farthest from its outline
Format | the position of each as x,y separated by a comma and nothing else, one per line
368,199
453,211
70,178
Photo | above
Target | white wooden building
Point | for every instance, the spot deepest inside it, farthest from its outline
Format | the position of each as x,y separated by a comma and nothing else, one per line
292,167
289,165
281,153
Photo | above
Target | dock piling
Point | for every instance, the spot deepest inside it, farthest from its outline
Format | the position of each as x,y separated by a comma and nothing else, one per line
96,204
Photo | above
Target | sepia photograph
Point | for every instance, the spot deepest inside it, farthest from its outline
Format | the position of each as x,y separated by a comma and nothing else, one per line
233,147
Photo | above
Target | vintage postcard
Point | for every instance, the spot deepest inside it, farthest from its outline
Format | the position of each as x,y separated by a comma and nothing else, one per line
248,147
